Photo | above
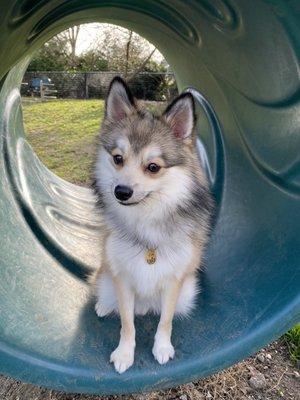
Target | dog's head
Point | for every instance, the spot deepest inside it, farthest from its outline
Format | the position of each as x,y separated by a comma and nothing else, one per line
143,158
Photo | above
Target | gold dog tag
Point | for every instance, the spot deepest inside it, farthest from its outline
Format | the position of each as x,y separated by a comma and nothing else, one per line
150,256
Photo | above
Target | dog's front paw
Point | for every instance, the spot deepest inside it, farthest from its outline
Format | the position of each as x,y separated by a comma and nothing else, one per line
122,358
101,310
163,351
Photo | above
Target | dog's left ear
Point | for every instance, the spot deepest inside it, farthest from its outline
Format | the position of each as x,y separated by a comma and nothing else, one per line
180,115
120,101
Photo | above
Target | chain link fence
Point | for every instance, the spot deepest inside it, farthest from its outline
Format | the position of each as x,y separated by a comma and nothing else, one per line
151,86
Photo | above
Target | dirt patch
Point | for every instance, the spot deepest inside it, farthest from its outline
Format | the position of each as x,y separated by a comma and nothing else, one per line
269,375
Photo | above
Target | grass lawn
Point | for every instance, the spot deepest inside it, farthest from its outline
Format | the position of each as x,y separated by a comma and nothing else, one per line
63,134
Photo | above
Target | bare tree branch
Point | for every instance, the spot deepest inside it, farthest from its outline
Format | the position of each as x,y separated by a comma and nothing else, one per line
127,53
141,67
73,36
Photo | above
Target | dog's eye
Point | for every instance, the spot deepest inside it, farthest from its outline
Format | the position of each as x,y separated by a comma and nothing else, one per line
118,160
153,168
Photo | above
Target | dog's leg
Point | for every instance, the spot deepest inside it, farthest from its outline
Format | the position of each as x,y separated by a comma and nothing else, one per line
163,349
107,301
123,356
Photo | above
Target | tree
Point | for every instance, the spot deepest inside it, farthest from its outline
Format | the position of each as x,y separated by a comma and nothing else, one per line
70,36
125,51
50,57
91,61
137,68
59,53
112,48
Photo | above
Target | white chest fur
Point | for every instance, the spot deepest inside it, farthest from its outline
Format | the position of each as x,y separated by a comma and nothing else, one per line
128,261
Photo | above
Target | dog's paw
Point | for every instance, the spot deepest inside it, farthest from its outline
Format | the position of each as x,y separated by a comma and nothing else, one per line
122,358
101,310
163,351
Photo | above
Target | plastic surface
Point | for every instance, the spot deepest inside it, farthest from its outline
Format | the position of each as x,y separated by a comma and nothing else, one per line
244,57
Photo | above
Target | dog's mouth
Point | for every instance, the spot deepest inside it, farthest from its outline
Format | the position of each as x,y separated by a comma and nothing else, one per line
134,203
129,204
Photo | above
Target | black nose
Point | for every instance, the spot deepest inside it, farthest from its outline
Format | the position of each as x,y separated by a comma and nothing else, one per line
123,193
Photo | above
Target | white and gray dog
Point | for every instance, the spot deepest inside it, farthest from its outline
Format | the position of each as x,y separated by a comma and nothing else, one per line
156,206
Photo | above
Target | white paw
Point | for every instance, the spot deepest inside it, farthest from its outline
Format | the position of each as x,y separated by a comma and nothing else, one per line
101,311
122,358
163,351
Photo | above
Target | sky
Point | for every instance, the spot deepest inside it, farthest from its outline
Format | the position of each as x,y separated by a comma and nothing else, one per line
88,33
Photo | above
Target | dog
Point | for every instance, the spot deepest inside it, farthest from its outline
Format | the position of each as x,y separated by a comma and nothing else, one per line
157,209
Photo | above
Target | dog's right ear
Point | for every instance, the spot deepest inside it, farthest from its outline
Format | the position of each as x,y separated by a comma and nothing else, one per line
180,115
120,101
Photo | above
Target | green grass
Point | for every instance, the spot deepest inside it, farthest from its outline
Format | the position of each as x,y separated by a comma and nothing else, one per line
63,134
292,339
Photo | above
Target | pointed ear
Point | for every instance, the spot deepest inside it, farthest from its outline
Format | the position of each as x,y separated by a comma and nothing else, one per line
180,115
120,101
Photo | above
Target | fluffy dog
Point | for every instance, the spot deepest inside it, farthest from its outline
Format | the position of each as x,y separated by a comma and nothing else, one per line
156,206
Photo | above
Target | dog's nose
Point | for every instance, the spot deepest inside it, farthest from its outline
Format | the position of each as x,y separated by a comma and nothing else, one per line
123,193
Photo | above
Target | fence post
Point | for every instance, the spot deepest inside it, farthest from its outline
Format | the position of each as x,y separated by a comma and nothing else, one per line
86,85
42,90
